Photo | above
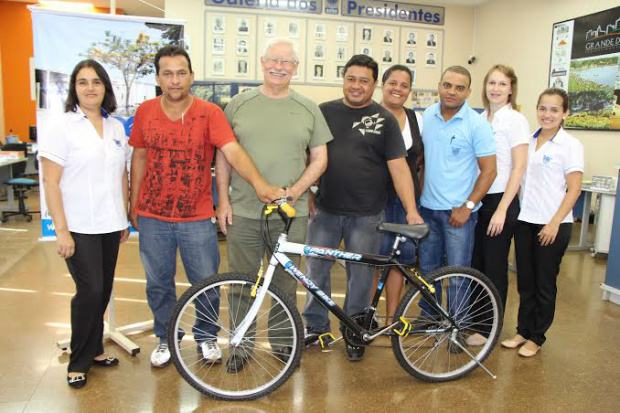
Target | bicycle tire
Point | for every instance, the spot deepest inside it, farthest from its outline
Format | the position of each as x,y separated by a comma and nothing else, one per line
433,356
264,352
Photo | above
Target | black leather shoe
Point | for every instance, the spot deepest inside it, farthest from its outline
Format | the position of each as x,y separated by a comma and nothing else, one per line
107,362
355,353
235,363
77,382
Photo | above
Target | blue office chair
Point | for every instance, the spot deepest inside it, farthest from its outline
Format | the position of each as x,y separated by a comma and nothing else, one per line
19,184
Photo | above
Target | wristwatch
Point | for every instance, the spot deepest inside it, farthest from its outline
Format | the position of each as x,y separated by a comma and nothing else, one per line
470,205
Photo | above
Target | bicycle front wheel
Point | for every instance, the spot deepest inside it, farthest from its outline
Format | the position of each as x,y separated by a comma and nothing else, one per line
212,310
434,350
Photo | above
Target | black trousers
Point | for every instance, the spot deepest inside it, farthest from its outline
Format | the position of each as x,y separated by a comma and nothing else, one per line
537,271
92,268
490,254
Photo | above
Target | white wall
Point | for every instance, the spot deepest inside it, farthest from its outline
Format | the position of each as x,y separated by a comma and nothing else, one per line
518,33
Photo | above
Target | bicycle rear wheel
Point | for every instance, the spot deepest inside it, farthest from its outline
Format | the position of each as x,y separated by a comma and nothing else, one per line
267,354
428,352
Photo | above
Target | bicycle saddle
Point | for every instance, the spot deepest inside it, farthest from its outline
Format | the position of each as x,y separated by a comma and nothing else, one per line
417,231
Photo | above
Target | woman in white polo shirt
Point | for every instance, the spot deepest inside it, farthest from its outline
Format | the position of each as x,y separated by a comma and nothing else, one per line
84,159
550,188
497,217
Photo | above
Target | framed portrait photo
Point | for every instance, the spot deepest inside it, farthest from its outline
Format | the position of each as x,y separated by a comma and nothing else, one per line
270,28
219,24
243,27
219,46
217,66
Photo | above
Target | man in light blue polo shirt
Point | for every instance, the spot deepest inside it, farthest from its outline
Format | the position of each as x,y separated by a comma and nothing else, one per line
459,154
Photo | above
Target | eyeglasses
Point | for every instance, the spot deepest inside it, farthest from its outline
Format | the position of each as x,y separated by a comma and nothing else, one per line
285,62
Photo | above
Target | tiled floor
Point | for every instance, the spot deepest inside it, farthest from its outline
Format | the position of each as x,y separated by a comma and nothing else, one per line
578,369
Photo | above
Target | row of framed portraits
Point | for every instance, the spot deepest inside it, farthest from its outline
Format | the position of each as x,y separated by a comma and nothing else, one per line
319,70
387,54
234,43
319,32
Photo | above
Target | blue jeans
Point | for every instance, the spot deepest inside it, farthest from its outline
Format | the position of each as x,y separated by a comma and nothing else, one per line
360,235
395,213
456,245
197,243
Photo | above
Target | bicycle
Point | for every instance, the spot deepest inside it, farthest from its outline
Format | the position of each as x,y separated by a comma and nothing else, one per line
262,340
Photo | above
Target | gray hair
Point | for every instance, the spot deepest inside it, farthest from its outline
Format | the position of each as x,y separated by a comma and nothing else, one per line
281,40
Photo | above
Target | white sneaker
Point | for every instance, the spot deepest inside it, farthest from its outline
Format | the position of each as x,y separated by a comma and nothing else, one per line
160,357
211,352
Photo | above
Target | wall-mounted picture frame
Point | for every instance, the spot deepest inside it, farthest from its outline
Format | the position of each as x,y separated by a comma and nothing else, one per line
219,24
293,30
243,27
342,33
431,59
219,46
410,57
319,51
366,34
431,40
411,38
217,66
388,36
318,71
242,47
242,67
270,28
342,53
320,31
387,56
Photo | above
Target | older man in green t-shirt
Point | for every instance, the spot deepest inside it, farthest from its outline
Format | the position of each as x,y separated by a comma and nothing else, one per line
285,134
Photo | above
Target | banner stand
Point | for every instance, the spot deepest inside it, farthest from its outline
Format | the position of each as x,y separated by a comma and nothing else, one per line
116,334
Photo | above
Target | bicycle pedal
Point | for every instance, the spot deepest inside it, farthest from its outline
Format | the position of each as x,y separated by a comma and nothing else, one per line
405,329
326,340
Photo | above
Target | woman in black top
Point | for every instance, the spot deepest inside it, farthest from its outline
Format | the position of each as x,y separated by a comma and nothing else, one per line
397,82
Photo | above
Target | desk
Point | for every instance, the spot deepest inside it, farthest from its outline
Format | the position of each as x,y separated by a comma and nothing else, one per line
6,172
602,220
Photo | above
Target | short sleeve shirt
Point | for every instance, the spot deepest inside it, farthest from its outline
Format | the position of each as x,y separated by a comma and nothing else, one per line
356,179
276,133
177,182
451,150
93,168
544,183
511,129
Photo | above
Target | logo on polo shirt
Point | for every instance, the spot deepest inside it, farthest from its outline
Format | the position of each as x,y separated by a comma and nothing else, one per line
546,159
369,124
118,143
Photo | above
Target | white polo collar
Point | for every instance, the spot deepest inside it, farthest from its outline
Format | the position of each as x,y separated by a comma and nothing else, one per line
559,137
78,114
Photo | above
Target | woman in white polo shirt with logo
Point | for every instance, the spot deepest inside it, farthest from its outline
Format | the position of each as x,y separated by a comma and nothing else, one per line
497,217
85,180
550,188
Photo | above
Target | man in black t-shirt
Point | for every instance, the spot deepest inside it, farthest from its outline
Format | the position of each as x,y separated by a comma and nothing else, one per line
367,147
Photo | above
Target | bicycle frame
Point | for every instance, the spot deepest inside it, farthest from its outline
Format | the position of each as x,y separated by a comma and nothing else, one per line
279,257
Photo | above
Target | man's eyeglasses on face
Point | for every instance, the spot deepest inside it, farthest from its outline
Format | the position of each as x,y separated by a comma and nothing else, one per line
285,62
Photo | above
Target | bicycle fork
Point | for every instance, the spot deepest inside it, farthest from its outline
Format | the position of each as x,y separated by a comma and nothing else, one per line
261,291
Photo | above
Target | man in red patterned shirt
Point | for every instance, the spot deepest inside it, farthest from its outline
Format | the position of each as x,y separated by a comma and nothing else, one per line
174,137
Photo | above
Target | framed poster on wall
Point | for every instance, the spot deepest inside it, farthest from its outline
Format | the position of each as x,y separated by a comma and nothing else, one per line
585,61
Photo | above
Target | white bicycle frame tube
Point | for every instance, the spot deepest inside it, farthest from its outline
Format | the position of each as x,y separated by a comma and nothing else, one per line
279,257
276,258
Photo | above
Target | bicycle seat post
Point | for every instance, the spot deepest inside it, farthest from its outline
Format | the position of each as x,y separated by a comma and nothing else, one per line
397,240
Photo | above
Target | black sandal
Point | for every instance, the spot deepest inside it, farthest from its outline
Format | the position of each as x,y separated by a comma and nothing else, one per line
107,362
77,382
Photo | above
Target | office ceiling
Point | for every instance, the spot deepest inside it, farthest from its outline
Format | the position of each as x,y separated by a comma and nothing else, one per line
152,7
